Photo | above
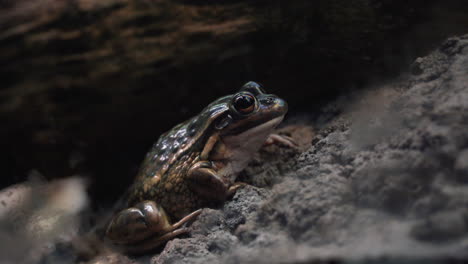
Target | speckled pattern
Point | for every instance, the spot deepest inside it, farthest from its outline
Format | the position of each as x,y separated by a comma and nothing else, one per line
184,138
168,161
172,193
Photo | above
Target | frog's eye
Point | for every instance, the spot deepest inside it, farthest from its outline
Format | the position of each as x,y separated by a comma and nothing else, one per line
244,103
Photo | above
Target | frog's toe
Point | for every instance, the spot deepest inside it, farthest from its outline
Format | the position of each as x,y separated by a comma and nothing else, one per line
187,219
281,140
236,186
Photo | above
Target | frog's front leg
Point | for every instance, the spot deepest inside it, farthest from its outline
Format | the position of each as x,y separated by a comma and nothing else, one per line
206,182
145,226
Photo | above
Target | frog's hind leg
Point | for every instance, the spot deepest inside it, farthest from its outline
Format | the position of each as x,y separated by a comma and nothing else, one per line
156,241
143,222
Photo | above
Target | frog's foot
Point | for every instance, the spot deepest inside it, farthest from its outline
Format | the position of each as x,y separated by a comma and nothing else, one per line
236,186
144,227
281,140
206,182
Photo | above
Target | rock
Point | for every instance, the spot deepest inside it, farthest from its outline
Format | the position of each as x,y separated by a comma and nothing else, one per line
461,163
39,217
442,226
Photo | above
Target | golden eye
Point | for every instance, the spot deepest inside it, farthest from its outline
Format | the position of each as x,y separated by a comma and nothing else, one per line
244,103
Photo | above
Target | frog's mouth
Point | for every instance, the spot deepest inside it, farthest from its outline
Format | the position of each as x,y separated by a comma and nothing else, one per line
246,135
266,126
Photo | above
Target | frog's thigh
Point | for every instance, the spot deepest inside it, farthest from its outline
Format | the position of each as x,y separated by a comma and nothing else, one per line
144,220
204,180
137,223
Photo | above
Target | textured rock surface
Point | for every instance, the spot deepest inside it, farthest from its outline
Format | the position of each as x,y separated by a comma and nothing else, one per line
385,177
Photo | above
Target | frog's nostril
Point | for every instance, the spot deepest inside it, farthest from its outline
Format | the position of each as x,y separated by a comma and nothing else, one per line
269,100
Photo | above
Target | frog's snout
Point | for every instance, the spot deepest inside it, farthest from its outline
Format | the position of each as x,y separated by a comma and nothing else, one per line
280,106
274,105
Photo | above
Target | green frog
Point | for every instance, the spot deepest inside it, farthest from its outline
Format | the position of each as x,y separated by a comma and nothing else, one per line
194,165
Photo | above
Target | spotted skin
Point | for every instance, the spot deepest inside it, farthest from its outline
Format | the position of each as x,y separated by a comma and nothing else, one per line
181,201
175,151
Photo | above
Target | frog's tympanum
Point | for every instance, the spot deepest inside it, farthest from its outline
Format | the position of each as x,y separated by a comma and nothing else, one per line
195,165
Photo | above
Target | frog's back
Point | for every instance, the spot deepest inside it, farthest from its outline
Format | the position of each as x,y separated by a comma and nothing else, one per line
167,162
183,138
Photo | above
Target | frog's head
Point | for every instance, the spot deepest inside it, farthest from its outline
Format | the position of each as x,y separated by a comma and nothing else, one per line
249,117
242,121
251,112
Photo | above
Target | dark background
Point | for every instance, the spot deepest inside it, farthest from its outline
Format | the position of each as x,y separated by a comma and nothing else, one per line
87,86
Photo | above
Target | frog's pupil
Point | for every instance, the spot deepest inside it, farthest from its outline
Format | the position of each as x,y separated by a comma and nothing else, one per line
243,102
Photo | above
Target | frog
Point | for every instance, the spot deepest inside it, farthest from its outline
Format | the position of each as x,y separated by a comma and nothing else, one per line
195,165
